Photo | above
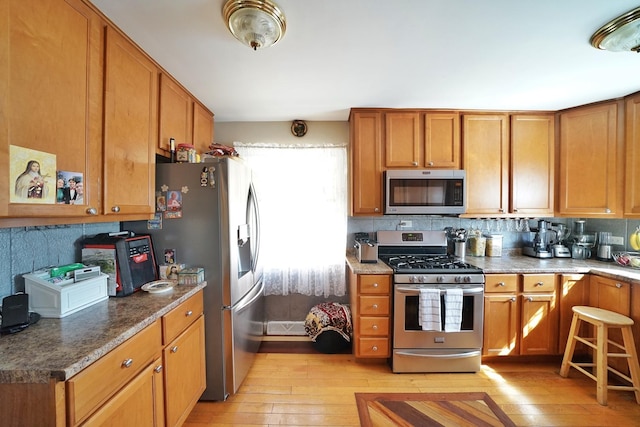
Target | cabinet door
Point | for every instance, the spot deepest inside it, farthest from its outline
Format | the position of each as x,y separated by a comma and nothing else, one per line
590,180
632,157
539,324
403,145
50,102
610,294
131,126
574,290
202,128
442,140
184,373
500,325
532,164
139,403
176,115
366,166
485,159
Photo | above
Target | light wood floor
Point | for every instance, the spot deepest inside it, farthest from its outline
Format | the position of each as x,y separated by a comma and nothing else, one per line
318,390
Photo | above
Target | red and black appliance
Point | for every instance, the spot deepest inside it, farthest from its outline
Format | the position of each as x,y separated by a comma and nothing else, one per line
132,257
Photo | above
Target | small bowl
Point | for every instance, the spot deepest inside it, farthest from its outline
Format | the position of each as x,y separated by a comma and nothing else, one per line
627,259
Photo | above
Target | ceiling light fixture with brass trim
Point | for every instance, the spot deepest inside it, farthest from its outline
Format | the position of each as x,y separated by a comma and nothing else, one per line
621,34
256,23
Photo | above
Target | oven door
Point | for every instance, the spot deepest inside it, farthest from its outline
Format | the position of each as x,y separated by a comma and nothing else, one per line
408,334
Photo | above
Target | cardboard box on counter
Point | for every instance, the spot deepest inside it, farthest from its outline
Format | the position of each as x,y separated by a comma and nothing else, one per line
170,271
191,276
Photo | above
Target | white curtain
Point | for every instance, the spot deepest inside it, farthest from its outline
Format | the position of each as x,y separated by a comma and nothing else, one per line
302,195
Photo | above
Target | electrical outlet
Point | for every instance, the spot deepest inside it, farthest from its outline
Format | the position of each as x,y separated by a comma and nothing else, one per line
617,240
406,224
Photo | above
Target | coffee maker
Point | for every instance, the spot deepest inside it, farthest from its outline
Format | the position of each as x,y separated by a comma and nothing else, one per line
539,246
603,253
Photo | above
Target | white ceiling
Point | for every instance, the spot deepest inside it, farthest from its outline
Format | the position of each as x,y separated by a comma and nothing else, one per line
339,54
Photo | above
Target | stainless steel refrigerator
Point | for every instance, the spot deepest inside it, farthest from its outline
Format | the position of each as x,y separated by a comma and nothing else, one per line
208,217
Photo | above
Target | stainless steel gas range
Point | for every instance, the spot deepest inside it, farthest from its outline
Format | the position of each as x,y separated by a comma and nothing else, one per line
438,304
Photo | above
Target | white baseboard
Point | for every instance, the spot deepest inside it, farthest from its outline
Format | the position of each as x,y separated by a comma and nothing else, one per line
277,327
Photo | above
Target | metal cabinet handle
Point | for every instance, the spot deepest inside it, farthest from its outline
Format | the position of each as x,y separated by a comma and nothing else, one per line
174,349
512,299
92,211
607,210
374,327
188,313
157,369
115,209
539,284
375,285
376,210
375,306
374,348
618,285
502,284
530,299
430,163
414,163
127,363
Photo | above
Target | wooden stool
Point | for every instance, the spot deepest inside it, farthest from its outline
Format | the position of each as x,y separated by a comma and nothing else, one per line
603,320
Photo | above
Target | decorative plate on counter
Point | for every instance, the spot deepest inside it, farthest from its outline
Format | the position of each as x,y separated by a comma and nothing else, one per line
159,286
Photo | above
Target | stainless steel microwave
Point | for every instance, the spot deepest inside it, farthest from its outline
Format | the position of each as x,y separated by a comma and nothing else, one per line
425,192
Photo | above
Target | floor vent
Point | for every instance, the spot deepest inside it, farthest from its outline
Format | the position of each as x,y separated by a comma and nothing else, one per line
276,327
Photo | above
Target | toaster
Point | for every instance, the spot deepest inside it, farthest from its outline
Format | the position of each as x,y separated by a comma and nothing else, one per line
366,250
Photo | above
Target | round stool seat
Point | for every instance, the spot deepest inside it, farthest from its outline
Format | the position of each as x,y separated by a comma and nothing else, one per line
601,315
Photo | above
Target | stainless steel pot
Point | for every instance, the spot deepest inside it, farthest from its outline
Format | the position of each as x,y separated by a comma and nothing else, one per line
366,250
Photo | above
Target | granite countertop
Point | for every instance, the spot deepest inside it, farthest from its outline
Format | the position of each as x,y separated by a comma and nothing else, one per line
60,348
522,264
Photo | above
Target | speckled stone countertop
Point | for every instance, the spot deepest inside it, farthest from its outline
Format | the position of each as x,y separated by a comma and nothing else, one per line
522,264
60,348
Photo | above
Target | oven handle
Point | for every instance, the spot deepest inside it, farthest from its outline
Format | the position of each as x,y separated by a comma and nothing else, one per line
441,356
467,291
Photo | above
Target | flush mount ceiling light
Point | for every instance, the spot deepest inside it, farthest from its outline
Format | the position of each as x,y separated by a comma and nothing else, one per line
621,34
256,23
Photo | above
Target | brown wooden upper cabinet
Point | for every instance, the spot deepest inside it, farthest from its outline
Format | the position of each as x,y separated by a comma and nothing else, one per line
130,128
509,160
182,118
632,157
590,165
415,139
366,162
50,102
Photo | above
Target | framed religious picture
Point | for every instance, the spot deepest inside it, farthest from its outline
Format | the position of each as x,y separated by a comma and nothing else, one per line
33,176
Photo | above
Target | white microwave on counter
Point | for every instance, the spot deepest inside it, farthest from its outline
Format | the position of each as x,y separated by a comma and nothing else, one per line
425,192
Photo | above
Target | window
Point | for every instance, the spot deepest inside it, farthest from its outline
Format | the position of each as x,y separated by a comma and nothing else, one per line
302,196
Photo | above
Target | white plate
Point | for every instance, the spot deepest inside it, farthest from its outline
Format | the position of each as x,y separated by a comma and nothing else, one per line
159,286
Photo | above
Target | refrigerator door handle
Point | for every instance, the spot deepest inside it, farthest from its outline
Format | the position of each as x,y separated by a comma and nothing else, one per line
241,305
254,214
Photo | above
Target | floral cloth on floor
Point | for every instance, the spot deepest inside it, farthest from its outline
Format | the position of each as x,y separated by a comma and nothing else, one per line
329,316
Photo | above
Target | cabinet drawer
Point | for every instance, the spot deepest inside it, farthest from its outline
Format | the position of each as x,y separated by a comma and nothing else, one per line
374,284
372,305
178,319
538,283
501,283
97,383
374,326
373,347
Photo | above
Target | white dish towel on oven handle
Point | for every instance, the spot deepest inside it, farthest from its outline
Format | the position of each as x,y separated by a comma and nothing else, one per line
453,310
429,310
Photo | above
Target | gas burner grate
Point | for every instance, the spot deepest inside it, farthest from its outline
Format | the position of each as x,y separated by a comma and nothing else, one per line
426,262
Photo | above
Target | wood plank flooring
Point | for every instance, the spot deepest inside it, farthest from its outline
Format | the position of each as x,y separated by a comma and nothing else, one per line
298,389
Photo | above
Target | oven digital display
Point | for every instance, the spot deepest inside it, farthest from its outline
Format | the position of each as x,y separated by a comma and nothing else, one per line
412,237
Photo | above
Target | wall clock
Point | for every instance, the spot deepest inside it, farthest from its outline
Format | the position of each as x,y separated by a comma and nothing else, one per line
298,128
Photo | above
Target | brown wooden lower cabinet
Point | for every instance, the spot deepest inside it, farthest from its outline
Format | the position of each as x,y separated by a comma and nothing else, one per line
521,315
370,298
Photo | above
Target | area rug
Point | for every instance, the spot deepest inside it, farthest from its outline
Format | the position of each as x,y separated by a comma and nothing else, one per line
429,410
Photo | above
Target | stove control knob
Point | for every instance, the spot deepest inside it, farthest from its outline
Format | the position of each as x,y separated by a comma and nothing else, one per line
467,279
413,279
440,279
423,279
459,279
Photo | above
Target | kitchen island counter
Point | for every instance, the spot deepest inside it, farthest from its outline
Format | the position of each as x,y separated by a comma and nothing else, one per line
60,348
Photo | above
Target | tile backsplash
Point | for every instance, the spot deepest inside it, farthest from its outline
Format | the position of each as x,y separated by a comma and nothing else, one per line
26,249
